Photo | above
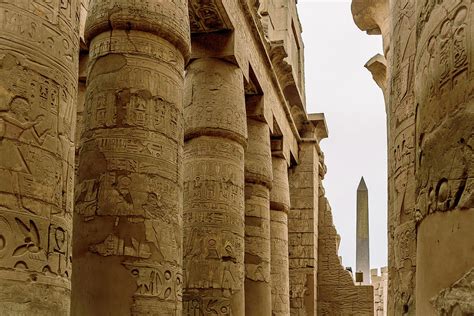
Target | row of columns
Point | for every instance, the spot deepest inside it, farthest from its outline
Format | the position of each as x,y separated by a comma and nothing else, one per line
181,206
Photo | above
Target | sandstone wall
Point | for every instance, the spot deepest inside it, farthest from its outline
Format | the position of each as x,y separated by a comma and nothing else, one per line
337,293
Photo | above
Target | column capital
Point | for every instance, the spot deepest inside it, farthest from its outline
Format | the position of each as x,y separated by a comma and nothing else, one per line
315,128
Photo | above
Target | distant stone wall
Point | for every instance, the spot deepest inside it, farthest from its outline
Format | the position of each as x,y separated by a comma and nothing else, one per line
380,284
337,293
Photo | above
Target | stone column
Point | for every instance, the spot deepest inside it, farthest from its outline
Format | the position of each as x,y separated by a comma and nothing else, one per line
401,160
214,208
128,211
303,229
444,155
279,207
258,181
38,89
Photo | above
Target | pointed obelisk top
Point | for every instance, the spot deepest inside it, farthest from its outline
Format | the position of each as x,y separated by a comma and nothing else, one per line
362,186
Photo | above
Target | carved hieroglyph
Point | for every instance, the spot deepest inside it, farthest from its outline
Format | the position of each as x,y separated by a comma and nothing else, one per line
258,182
38,86
303,229
214,209
444,145
279,206
401,157
128,209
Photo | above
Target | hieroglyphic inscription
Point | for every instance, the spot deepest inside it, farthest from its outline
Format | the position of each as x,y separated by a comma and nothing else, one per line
214,189
130,169
38,87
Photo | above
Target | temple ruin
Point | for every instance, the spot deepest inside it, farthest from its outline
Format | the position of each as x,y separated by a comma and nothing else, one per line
157,158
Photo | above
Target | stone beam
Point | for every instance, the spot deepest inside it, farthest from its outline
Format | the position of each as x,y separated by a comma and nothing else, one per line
208,16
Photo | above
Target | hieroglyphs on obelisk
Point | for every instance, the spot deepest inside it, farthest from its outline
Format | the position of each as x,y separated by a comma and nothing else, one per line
38,87
362,231
128,210
214,202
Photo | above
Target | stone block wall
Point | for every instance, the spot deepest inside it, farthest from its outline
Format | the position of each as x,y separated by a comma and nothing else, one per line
337,293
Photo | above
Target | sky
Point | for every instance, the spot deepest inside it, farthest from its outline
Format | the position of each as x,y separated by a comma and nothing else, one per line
338,85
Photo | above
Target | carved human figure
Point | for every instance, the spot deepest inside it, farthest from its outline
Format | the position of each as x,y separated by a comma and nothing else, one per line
216,132
38,86
128,214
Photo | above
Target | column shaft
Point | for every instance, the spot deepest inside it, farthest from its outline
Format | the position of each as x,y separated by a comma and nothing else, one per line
444,155
38,90
258,181
303,230
279,206
216,133
128,212
401,160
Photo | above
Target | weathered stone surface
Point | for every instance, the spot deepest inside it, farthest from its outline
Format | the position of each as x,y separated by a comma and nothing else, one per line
337,294
38,90
258,182
380,284
458,299
128,211
444,147
430,147
303,230
130,185
214,205
279,206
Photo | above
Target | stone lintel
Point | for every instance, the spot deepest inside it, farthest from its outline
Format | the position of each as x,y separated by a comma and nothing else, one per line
256,107
277,146
208,17
285,75
319,126
216,45
83,63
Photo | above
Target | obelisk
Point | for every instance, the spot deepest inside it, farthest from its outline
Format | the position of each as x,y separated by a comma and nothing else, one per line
362,251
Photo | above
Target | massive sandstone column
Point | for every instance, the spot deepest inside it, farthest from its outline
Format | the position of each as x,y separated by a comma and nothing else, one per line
258,181
38,89
128,211
303,219
444,154
279,207
214,205
401,158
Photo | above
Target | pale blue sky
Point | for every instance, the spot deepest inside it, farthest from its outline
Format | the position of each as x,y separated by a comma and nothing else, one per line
338,85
